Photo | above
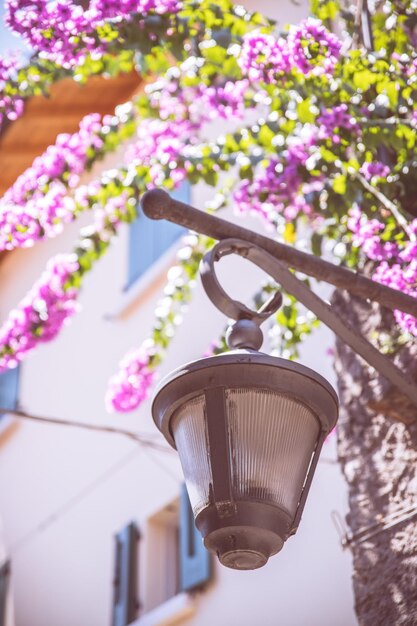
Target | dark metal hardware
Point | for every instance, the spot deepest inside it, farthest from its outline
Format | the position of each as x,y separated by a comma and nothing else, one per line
269,256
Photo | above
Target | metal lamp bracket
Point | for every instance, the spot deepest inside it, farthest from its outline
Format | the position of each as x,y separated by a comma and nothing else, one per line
294,286
232,308
275,258
246,332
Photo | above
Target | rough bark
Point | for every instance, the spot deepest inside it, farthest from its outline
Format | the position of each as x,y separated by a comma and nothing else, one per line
377,447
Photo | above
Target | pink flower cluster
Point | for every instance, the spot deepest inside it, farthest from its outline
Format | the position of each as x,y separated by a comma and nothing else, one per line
374,169
200,103
113,213
158,145
38,204
125,8
264,58
222,101
64,32
314,50
332,121
309,48
68,156
367,236
279,188
131,385
41,314
397,263
11,107
40,217
403,278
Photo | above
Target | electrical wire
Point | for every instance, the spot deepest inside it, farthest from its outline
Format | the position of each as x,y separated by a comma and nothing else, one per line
142,439
72,502
402,514
145,441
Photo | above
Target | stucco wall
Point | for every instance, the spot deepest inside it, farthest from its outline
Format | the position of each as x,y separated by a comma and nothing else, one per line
65,492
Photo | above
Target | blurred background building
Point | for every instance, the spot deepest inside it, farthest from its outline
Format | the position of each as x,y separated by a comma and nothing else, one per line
92,521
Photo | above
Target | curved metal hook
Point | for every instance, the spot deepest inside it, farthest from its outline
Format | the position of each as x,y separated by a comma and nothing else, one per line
277,270
233,308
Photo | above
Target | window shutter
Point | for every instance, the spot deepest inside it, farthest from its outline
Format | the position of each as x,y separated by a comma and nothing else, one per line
149,239
166,233
195,560
9,384
141,247
4,588
125,602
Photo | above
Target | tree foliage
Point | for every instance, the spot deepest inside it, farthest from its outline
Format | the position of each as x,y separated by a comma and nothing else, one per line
329,163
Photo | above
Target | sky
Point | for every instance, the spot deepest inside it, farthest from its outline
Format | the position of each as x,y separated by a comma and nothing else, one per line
8,41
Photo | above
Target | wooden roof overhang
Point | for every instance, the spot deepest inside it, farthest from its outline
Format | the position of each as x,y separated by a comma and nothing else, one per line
46,117
61,112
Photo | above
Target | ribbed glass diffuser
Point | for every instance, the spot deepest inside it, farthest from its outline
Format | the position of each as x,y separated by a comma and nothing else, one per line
190,433
272,439
248,429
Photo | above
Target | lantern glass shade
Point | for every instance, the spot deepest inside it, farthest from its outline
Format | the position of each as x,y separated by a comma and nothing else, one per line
271,439
189,426
248,429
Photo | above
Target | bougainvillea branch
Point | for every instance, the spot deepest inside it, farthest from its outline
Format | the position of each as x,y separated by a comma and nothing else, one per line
137,371
52,300
105,38
324,151
40,202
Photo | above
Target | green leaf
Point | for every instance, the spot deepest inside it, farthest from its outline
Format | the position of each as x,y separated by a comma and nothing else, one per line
213,53
265,136
363,79
290,233
339,184
316,243
304,112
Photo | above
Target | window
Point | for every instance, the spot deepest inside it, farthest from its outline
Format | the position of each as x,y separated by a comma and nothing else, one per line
162,563
125,601
149,239
177,560
4,586
195,561
9,387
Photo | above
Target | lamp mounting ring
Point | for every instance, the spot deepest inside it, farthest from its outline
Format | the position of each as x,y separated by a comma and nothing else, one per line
218,296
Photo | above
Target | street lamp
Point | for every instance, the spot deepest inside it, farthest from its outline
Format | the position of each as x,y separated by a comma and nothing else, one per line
249,427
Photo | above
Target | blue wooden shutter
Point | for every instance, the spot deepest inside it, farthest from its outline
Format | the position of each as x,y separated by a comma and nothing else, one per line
125,602
4,588
9,386
195,560
149,239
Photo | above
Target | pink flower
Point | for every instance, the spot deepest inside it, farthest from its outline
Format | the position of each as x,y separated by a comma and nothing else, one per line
375,169
313,49
64,32
335,120
403,279
280,188
38,203
263,58
131,385
11,106
40,316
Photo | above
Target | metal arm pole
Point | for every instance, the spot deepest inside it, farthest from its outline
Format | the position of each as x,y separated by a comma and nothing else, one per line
158,205
269,255
294,286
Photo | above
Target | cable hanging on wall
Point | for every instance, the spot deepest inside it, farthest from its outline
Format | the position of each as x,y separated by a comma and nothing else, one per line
142,439
347,539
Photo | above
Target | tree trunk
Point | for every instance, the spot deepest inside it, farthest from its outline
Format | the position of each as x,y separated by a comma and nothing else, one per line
377,448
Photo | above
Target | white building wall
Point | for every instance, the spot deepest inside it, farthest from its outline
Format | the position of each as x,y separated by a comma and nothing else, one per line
65,492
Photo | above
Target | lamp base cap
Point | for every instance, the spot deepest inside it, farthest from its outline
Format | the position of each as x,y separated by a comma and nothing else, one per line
243,547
